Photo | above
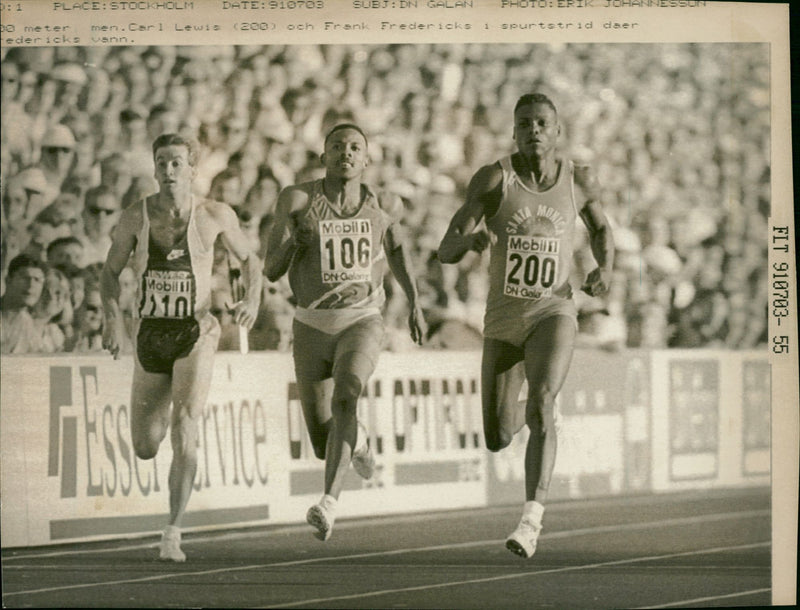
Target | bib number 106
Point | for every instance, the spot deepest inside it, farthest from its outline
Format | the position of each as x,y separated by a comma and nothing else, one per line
344,253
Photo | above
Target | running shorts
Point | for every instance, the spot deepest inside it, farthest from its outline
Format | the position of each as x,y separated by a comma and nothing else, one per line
162,341
316,352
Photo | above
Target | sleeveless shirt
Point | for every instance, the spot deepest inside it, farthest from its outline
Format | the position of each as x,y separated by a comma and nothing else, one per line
173,282
345,269
532,242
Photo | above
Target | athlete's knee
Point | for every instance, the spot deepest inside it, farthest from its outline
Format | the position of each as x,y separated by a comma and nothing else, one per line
497,440
347,390
540,414
145,448
184,435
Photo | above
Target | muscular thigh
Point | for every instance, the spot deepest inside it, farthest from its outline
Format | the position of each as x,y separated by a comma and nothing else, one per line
502,374
313,352
548,353
151,395
358,349
191,375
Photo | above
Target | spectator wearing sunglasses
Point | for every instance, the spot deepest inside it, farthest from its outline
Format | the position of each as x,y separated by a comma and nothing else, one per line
100,215
57,157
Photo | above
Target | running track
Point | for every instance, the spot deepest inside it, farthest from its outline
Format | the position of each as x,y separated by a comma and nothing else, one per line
668,551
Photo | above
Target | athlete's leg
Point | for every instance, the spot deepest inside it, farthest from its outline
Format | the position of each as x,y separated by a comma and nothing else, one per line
315,398
150,399
502,374
548,352
350,375
191,380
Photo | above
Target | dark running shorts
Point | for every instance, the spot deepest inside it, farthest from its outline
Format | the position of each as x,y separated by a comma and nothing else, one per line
160,342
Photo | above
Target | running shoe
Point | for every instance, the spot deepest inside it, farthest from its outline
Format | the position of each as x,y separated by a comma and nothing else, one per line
363,461
170,547
522,540
321,518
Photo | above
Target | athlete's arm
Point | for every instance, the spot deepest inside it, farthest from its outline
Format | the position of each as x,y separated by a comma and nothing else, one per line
244,311
122,244
397,255
286,238
483,195
601,238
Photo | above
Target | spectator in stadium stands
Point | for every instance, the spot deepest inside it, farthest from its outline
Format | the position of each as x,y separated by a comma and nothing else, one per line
65,251
57,156
89,324
116,174
100,215
19,331
54,312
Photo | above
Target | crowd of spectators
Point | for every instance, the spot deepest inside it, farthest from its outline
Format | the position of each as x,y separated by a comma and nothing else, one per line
679,135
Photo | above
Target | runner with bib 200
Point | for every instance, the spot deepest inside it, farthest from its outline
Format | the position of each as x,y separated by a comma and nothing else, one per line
170,239
530,201
335,237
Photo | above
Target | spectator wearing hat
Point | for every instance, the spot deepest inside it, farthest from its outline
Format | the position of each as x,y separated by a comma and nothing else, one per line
19,333
57,157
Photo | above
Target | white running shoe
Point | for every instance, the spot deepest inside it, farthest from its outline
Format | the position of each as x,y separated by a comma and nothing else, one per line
170,547
522,540
363,461
321,518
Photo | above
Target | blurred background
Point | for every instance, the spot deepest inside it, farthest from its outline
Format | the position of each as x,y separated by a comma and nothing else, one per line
678,133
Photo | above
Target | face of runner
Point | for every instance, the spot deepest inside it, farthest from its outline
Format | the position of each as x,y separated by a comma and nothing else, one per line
174,173
536,129
345,154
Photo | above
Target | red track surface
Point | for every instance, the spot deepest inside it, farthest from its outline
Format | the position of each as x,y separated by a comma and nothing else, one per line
680,550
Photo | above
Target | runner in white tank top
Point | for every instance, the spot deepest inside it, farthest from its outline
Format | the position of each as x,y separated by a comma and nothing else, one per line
529,202
170,237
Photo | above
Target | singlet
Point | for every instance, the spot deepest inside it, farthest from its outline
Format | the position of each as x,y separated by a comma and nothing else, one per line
531,252
340,280
174,282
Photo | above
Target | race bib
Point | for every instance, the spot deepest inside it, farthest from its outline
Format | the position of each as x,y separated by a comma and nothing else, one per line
345,250
167,294
531,266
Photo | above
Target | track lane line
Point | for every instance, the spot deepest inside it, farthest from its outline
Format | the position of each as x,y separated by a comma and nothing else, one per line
388,553
515,576
710,598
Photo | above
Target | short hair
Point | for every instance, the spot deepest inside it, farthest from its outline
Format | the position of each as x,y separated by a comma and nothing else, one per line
25,261
341,126
174,139
63,241
534,98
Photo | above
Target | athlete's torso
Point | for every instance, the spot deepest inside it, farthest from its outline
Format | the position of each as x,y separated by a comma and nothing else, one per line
172,282
344,267
531,252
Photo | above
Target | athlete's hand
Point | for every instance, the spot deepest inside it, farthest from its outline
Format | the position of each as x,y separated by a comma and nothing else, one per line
113,334
597,282
417,325
244,313
480,241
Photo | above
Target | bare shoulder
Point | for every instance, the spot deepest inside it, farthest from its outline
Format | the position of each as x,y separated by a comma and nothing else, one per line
487,178
216,211
585,175
390,204
295,197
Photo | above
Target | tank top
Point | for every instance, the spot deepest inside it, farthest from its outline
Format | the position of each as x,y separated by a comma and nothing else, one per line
173,282
532,241
345,270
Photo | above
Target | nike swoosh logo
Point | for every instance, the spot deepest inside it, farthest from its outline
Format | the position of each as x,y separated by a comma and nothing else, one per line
174,254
